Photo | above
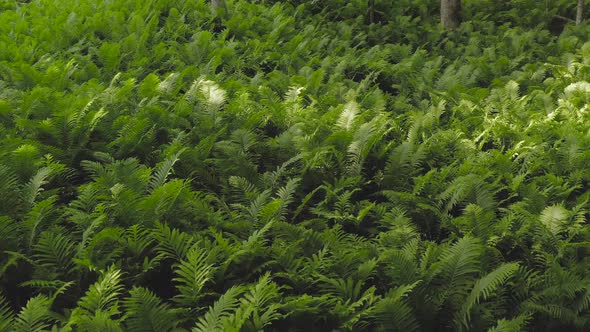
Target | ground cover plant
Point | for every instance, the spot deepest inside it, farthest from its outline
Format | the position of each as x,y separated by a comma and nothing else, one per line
290,166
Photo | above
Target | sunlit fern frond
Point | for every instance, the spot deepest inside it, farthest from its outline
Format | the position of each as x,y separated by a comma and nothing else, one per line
214,95
33,188
348,115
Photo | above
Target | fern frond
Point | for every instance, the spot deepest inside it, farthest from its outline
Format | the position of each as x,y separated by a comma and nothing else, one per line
37,215
257,204
163,171
31,190
247,188
100,321
359,147
483,288
271,179
392,313
6,316
285,194
55,251
257,237
214,95
511,325
193,273
103,296
403,162
347,289
8,190
458,264
168,85
9,233
87,235
172,243
145,312
261,298
35,316
471,188
357,310
554,218
348,115
227,304
87,199
137,239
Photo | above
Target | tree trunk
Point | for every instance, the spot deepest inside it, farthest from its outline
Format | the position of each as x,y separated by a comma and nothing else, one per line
580,12
450,13
371,11
217,5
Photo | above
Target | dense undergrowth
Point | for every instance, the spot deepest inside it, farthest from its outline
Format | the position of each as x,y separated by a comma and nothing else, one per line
288,167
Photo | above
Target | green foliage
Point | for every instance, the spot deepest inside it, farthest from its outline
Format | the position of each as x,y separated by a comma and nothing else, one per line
289,166
99,306
193,273
146,312
34,316
6,317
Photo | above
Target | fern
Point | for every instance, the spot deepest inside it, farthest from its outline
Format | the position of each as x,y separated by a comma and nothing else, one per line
348,115
97,308
192,275
35,316
457,266
145,312
511,325
554,218
8,189
214,95
54,251
163,171
138,239
392,313
9,233
272,179
484,288
469,188
37,215
260,302
6,316
32,189
404,161
172,243
221,310
87,234
358,148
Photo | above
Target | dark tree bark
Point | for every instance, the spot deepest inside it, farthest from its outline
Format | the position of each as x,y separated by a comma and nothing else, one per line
371,11
450,13
580,12
216,5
